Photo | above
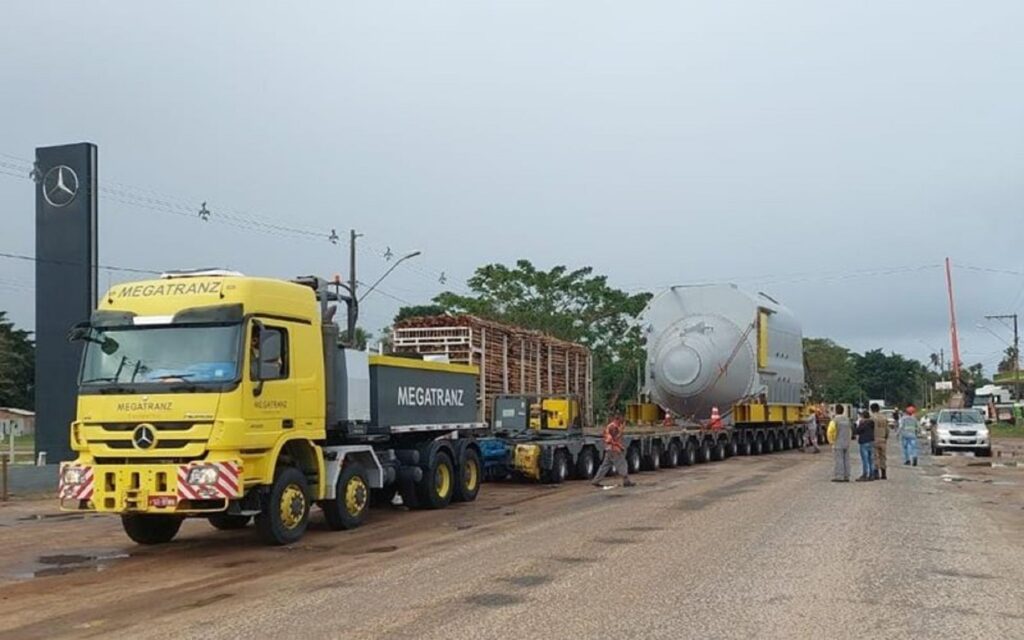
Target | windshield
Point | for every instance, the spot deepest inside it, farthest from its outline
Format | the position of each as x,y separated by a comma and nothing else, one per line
162,354
961,417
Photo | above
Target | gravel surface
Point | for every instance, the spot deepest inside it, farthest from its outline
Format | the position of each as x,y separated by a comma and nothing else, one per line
760,547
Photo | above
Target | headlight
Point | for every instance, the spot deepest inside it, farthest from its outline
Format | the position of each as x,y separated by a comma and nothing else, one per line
72,475
943,433
202,475
983,433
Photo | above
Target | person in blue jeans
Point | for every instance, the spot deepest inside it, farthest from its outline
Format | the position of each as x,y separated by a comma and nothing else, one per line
866,441
908,427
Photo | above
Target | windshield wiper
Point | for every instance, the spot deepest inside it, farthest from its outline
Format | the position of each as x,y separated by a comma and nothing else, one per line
101,379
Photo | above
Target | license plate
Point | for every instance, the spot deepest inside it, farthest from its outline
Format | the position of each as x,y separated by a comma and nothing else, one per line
162,502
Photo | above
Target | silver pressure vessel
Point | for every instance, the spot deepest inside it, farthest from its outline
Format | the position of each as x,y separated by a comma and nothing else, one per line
715,345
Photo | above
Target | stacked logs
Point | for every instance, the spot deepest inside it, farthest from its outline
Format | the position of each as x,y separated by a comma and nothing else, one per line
512,360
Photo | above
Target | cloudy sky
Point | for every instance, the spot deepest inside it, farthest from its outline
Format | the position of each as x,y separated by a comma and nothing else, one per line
828,153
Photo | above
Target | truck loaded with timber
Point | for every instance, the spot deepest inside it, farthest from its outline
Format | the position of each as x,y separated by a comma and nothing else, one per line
723,376
215,395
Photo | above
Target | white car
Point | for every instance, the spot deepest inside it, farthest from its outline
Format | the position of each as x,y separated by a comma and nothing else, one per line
961,430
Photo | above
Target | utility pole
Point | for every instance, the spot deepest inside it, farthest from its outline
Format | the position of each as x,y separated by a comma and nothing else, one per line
956,400
1016,350
353,307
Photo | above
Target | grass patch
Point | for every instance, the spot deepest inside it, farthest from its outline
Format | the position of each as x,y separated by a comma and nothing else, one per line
20,442
1003,430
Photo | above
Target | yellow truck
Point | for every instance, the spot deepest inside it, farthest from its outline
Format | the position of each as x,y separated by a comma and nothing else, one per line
211,394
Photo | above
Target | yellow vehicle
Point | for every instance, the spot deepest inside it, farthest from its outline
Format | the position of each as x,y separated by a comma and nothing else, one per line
211,394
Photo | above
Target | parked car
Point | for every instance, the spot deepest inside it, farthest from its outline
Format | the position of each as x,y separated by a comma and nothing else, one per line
960,430
890,417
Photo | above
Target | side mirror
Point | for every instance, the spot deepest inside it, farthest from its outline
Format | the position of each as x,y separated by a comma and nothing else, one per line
254,357
80,331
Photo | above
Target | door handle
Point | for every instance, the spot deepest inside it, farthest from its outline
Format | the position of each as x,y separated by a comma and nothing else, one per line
287,423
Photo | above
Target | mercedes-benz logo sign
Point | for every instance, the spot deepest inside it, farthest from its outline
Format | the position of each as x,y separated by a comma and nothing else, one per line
60,185
144,436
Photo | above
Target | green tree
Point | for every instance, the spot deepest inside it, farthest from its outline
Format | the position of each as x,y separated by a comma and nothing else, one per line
831,372
573,305
17,366
891,377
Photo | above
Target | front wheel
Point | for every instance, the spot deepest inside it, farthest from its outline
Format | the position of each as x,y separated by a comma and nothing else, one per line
285,513
559,471
151,529
351,500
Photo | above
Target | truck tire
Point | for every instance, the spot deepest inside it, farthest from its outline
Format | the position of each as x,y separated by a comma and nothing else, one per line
983,453
633,459
471,474
351,500
670,459
151,529
559,471
718,453
758,444
586,464
652,462
435,490
229,522
733,449
747,447
689,454
704,453
285,513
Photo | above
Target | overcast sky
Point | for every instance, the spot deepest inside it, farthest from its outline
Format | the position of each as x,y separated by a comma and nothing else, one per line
828,153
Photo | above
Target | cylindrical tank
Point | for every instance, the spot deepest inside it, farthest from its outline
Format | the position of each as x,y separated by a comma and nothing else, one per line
715,346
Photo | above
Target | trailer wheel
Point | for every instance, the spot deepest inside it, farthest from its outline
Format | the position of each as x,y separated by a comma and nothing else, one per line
747,446
586,464
758,444
471,474
633,459
652,462
351,500
670,459
718,454
285,513
151,529
705,451
229,522
438,484
559,471
689,454
733,449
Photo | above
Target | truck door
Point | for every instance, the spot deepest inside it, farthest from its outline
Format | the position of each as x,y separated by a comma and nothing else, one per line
269,401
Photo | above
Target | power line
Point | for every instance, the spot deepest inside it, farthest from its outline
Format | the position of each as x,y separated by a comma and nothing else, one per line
108,267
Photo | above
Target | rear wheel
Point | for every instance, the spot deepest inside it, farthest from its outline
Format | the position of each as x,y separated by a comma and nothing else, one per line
229,522
586,464
670,459
559,471
719,451
285,513
351,501
435,490
690,453
758,445
151,529
633,459
652,462
705,451
471,473
747,447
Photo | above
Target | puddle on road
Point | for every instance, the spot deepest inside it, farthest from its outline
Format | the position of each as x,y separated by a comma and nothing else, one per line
60,564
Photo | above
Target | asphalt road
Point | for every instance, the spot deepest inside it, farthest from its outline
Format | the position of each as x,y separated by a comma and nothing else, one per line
759,547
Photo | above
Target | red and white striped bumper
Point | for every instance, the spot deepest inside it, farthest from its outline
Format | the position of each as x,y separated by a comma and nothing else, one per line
83,489
225,481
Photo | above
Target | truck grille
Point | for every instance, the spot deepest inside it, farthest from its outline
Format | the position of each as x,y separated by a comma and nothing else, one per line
162,444
962,432
159,426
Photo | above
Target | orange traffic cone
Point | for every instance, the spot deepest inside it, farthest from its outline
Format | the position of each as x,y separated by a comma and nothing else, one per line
716,418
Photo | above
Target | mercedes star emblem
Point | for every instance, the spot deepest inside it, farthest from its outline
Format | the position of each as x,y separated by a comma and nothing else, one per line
144,437
60,184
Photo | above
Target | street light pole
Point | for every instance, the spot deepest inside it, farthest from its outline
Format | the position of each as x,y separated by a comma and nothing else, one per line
388,272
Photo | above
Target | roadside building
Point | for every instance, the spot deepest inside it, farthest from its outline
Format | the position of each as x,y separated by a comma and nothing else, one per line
20,422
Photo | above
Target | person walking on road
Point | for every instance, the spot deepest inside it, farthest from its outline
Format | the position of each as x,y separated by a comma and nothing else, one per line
866,442
811,436
881,440
614,454
908,435
840,433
